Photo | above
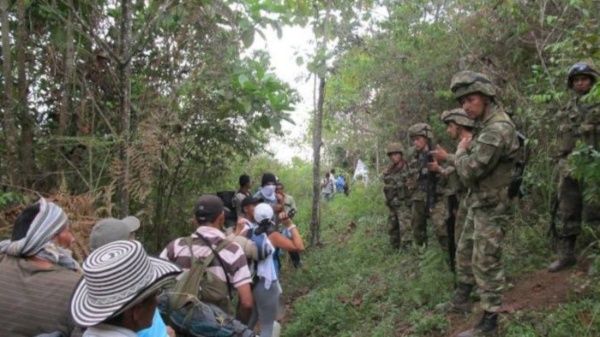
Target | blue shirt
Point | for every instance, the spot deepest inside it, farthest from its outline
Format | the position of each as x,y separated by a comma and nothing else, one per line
157,329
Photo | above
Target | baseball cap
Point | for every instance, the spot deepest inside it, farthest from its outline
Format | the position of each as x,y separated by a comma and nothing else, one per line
208,207
111,229
263,211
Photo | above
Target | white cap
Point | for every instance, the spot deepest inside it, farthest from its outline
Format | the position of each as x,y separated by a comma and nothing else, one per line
263,211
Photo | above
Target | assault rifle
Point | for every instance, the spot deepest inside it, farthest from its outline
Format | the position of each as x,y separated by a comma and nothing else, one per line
431,179
450,229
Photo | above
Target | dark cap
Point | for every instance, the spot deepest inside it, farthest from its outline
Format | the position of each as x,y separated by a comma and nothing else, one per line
267,178
250,200
208,208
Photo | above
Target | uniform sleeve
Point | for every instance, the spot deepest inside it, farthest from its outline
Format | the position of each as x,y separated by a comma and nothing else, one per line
482,158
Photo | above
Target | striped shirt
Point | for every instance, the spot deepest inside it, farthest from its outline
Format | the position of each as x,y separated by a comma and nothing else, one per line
34,300
233,257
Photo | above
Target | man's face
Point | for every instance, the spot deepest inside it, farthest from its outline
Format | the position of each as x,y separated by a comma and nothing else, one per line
419,142
249,211
582,84
143,313
279,189
474,105
65,238
395,157
452,130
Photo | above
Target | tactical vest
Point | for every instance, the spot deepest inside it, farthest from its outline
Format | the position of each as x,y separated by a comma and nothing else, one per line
394,185
498,179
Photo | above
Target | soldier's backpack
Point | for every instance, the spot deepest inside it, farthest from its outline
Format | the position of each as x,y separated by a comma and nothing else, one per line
183,304
515,189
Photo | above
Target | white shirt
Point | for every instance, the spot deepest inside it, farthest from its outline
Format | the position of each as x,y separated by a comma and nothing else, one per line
107,330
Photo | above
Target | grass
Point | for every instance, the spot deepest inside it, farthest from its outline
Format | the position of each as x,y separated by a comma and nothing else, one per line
356,285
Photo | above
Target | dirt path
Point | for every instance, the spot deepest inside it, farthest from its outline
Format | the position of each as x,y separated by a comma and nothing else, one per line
539,290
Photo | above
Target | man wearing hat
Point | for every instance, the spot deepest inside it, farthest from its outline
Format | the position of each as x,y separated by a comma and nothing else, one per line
396,197
109,230
229,267
485,164
578,121
268,185
117,295
426,196
37,273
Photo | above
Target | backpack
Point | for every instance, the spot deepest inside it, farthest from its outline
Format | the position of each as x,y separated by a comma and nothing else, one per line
230,212
187,313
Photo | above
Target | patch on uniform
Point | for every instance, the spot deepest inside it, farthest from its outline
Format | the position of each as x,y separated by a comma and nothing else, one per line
490,138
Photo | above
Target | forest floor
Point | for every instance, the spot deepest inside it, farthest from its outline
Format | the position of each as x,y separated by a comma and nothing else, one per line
356,285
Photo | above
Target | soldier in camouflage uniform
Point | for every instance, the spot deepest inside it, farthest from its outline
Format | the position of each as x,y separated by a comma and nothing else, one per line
394,188
485,164
421,136
459,126
578,121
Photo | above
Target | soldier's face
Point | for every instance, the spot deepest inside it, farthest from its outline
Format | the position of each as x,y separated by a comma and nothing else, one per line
452,130
419,142
582,84
395,157
474,105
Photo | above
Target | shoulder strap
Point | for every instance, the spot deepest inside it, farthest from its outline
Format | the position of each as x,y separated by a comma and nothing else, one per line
215,253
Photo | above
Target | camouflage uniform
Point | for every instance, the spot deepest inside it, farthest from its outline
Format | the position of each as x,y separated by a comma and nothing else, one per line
455,188
486,169
418,173
396,199
578,121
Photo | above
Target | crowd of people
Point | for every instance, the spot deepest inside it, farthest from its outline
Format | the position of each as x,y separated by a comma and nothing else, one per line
467,196
119,289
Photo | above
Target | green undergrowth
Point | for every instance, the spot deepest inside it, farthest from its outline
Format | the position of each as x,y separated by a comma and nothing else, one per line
354,284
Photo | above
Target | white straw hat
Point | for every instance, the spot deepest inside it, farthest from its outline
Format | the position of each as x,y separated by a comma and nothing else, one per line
117,276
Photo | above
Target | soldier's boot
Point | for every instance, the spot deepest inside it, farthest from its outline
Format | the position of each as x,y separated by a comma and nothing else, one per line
460,302
487,326
566,255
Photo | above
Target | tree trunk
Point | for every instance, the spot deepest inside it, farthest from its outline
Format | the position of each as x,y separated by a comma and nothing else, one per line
125,80
315,225
65,113
10,128
27,163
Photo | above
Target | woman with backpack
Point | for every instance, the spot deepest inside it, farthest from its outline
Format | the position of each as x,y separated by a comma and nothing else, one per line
266,288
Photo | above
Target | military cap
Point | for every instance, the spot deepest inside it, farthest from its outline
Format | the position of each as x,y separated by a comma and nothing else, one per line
394,148
458,116
420,129
469,82
581,68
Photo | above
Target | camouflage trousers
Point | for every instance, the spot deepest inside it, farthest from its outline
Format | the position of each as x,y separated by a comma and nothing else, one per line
479,252
460,217
418,222
399,226
572,208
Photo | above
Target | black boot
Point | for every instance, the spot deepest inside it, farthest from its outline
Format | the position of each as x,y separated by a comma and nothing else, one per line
487,326
460,302
566,255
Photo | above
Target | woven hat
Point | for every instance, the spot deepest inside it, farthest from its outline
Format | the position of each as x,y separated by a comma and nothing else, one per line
110,229
117,276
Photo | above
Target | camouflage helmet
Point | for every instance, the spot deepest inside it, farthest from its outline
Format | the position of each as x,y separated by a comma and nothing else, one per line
581,68
468,82
458,116
420,129
394,148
